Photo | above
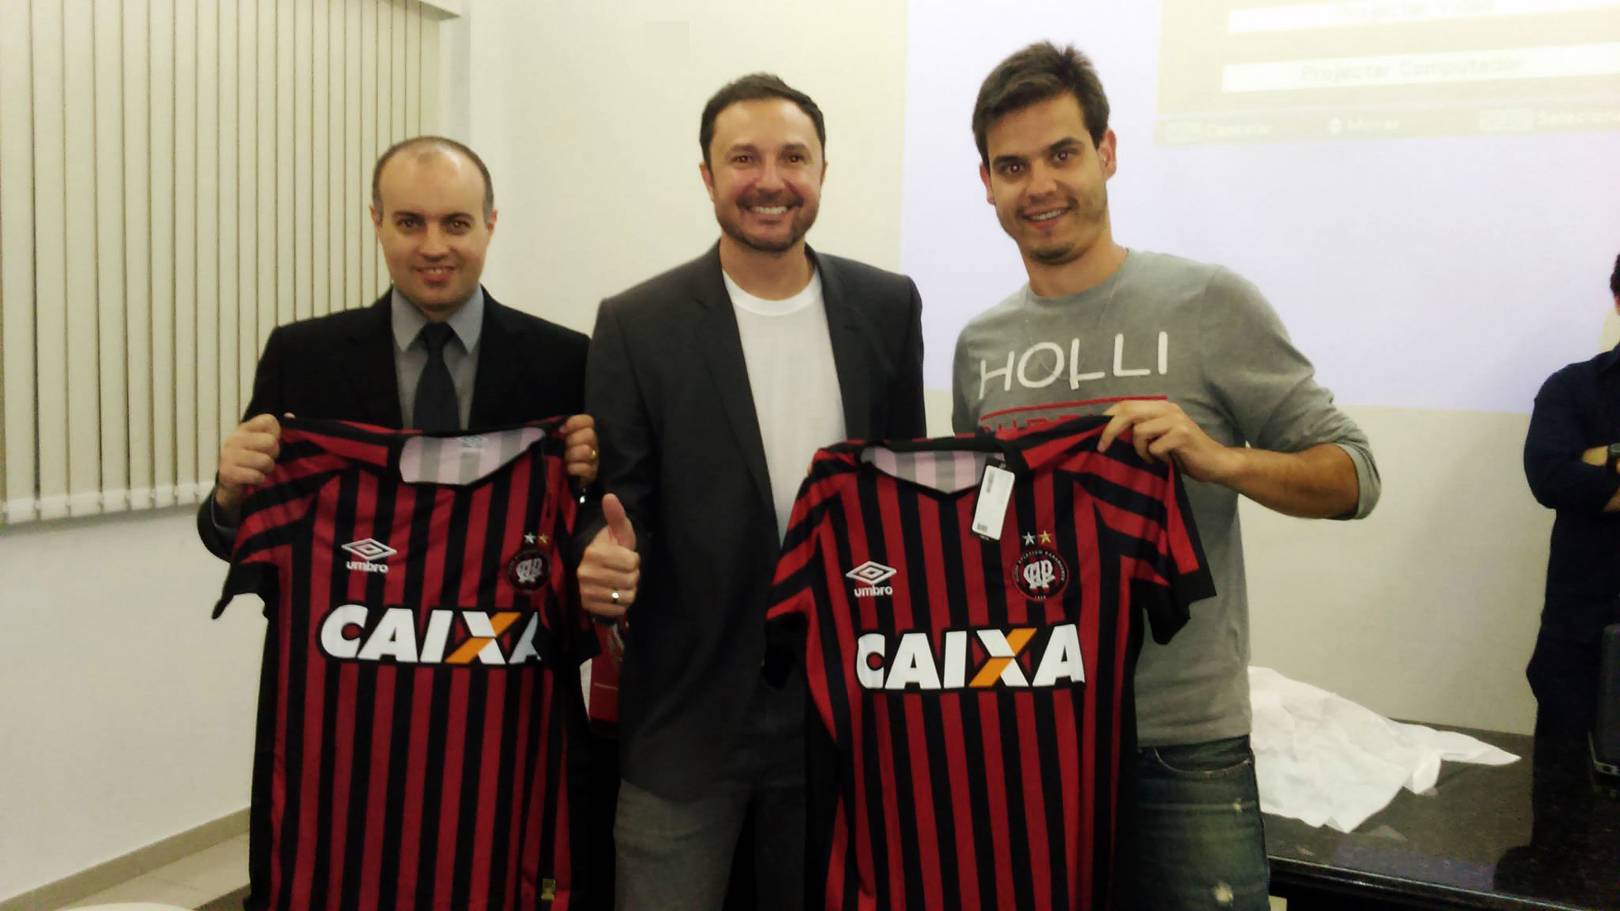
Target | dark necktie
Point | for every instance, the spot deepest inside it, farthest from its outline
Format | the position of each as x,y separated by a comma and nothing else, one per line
436,407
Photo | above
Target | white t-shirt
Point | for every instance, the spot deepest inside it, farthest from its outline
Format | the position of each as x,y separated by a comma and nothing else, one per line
794,382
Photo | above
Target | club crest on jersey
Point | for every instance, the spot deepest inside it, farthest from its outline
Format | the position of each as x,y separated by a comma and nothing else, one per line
1023,657
371,553
873,574
527,569
1040,572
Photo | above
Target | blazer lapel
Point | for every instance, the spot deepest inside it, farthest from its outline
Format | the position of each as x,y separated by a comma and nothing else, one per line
849,350
719,344
500,369
370,366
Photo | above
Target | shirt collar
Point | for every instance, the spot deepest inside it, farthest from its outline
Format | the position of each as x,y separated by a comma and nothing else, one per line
466,322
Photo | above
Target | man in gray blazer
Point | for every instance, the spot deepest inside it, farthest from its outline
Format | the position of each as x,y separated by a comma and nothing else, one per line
712,385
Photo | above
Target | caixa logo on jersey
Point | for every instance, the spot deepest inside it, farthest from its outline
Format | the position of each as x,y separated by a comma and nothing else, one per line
355,632
1022,657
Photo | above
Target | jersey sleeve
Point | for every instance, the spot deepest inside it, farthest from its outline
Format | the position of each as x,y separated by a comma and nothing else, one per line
1187,567
792,599
275,516
1176,573
1148,503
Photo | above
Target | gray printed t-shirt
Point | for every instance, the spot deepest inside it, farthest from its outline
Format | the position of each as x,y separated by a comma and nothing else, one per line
1204,338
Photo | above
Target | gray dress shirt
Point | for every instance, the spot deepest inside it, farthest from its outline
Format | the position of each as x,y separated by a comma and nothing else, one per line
460,355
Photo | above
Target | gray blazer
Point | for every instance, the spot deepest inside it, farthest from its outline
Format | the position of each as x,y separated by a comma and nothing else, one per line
668,386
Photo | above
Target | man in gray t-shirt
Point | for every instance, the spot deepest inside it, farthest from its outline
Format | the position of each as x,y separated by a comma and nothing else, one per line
1211,381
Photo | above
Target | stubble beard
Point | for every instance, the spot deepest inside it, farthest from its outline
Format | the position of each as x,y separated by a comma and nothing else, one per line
799,225
1089,221
764,246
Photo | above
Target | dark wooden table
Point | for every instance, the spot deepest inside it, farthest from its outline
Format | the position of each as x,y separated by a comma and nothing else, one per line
1543,832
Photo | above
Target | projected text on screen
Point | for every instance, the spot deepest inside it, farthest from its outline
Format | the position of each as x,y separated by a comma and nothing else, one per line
1253,70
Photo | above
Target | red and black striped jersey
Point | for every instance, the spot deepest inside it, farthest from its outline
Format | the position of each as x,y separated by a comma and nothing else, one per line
974,695
420,669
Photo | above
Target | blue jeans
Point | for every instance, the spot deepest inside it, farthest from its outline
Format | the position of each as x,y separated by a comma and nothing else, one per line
1197,837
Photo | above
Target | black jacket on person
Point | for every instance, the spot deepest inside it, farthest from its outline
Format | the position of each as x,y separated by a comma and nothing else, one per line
341,367
1578,408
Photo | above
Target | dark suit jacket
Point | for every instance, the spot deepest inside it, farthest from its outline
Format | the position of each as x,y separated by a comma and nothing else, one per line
341,366
668,387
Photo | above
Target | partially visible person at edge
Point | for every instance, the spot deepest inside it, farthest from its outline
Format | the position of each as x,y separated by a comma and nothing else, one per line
1572,461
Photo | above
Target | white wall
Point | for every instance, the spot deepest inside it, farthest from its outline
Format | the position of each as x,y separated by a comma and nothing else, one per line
127,714
588,117
1428,608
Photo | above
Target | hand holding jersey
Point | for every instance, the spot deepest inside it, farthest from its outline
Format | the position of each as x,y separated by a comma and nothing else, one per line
610,568
1315,483
245,460
579,435
1160,431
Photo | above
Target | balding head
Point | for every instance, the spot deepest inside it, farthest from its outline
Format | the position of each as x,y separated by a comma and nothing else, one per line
421,148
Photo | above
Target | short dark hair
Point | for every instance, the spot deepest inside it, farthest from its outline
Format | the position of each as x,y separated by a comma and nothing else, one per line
443,142
1033,75
756,87
1614,278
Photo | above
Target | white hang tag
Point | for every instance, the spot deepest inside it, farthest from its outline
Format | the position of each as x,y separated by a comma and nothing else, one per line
995,489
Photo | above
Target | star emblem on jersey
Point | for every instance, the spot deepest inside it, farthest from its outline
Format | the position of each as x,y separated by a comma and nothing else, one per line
1040,572
872,574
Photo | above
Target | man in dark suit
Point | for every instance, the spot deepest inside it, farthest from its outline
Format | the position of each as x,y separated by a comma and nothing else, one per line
436,353
712,385
433,207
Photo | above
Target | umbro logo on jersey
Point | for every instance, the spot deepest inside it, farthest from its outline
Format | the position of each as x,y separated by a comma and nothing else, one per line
351,632
370,551
1002,658
873,574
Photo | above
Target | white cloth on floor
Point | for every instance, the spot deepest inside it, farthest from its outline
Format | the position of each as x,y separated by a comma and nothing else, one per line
1325,760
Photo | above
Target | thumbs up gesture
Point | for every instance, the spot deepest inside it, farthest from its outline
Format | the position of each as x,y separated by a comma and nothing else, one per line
611,568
